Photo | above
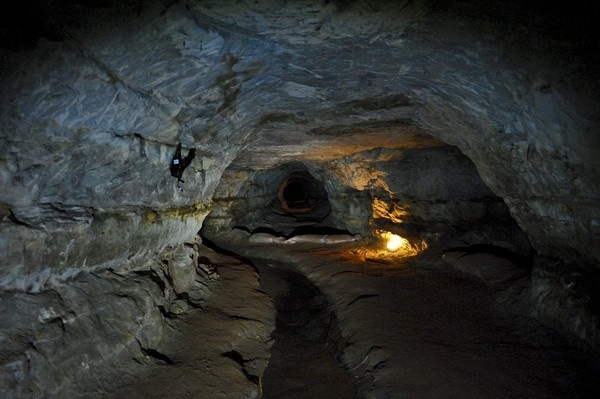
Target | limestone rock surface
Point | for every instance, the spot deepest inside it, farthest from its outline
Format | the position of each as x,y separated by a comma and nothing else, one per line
95,99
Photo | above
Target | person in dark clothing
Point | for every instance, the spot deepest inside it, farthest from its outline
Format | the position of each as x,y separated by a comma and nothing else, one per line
178,164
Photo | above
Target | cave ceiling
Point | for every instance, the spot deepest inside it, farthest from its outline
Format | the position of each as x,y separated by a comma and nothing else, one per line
97,97
425,117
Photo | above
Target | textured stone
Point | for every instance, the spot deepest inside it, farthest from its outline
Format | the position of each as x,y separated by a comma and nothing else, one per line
492,269
182,270
423,191
565,296
104,326
220,349
419,328
96,99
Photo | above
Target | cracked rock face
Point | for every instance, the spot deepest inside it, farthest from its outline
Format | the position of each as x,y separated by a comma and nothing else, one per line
96,99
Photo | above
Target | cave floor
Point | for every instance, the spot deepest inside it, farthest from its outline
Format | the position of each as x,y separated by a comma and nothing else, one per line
351,327
413,328
302,363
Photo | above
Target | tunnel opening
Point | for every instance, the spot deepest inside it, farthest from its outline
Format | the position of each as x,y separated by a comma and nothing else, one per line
433,193
284,201
300,193
301,206
301,198
430,193
293,194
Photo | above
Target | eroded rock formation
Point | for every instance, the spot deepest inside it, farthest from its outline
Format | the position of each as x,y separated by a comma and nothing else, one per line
466,114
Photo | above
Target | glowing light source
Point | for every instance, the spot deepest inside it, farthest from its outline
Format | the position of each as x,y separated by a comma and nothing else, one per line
394,242
399,245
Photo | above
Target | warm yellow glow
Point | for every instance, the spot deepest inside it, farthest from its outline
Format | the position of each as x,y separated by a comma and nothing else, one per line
390,211
394,242
399,245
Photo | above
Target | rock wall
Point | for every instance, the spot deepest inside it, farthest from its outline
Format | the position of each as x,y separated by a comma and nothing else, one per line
90,121
99,334
429,185
96,99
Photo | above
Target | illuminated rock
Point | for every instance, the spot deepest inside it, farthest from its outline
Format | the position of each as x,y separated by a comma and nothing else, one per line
496,110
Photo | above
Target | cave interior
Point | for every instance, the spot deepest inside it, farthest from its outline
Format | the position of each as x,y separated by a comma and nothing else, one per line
381,199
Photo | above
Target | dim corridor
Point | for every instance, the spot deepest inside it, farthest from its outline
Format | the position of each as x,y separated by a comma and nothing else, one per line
303,363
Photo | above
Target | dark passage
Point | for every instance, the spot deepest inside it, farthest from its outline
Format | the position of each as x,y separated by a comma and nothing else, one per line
303,363
295,195
301,193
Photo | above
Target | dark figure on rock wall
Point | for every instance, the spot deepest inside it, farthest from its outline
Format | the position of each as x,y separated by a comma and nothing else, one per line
178,164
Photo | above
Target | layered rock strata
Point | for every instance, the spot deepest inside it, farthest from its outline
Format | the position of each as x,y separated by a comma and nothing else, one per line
97,98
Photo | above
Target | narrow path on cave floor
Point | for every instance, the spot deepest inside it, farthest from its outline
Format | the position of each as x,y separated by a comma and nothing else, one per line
302,364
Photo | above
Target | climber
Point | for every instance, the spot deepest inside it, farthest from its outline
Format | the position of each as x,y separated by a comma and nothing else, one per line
179,164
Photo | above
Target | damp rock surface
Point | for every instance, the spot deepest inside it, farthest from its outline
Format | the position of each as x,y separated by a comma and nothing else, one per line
421,328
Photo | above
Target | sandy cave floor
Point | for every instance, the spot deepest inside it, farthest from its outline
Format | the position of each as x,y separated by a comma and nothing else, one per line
303,361
410,328
353,328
